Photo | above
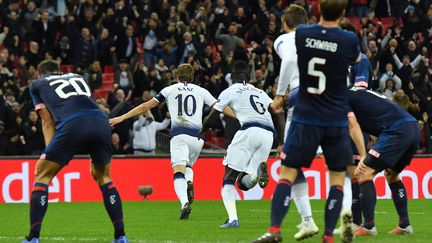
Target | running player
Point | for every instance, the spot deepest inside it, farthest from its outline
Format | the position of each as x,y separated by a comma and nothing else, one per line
319,118
398,138
289,76
72,123
248,152
185,104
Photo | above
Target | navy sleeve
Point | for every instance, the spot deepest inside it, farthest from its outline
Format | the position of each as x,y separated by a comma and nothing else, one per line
159,97
362,71
36,98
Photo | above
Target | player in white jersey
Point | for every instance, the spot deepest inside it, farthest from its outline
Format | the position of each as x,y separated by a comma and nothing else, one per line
185,104
248,152
289,76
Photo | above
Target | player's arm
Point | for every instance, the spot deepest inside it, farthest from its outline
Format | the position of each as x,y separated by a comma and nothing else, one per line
48,125
141,109
356,135
218,107
279,119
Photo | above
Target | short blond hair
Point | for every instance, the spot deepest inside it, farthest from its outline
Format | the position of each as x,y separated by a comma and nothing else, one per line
185,73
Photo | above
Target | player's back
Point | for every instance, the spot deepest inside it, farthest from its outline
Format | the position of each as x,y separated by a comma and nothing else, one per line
66,96
185,104
324,55
285,47
375,112
249,104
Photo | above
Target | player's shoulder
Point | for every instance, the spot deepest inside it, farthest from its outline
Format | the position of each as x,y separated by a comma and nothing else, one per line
284,39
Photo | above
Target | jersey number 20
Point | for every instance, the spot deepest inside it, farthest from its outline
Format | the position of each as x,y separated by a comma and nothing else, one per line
316,73
74,82
184,104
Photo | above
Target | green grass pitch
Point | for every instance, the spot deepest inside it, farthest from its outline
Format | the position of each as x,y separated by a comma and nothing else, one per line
150,221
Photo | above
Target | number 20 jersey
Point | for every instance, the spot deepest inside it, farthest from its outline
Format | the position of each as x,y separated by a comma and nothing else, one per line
185,104
324,55
66,96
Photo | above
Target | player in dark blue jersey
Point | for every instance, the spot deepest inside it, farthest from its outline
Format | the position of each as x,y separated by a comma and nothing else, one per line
72,124
320,116
398,138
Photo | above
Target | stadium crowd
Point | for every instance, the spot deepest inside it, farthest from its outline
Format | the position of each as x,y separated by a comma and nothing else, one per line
128,51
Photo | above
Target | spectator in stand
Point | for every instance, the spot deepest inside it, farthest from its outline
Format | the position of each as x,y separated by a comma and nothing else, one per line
361,8
63,52
144,133
186,48
117,148
17,142
389,81
125,44
230,40
167,53
124,73
3,138
405,67
85,51
33,56
29,15
403,100
93,75
119,106
151,34
33,134
44,32
103,45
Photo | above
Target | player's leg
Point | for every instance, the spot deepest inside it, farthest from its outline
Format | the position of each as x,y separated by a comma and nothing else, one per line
337,151
179,159
229,196
299,150
355,190
44,173
111,197
300,194
195,147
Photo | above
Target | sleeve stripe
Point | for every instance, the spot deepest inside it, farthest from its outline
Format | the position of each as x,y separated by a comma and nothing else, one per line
40,106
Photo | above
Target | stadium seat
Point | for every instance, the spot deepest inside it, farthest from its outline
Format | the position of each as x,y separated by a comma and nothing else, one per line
101,93
66,68
107,85
108,69
109,77
355,21
388,20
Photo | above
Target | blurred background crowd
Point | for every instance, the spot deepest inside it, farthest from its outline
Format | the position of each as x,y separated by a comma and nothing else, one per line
128,50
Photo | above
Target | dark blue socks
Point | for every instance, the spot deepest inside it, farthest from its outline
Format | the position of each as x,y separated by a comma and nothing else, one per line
367,202
113,206
400,201
38,208
333,208
280,204
356,208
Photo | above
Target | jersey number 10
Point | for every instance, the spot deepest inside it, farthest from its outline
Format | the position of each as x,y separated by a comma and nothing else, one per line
74,82
184,105
318,74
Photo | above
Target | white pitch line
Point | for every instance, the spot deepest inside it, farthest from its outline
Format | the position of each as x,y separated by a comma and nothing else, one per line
322,211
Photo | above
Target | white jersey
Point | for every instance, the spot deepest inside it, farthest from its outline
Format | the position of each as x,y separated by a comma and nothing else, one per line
185,104
249,104
289,75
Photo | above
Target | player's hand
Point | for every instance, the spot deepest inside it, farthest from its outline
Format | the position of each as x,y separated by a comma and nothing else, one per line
361,168
116,120
277,103
279,151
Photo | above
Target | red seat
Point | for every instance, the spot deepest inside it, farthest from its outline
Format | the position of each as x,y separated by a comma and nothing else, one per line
66,68
108,77
107,85
101,93
108,69
388,20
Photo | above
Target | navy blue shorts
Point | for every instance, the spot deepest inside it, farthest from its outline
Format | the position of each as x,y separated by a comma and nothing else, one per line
394,148
82,135
303,140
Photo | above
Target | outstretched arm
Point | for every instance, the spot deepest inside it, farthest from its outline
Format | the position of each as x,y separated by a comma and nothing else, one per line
144,107
214,114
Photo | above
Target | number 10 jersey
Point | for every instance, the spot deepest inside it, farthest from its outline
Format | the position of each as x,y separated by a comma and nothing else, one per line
185,104
324,55
66,97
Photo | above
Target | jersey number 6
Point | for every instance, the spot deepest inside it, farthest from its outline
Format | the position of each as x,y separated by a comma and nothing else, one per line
316,73
254,104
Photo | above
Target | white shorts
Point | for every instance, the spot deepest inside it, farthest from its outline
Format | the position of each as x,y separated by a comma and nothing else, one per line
248,149
185,150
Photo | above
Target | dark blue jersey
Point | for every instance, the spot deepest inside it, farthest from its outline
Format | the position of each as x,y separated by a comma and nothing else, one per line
361,72
374,112
324,55
66,97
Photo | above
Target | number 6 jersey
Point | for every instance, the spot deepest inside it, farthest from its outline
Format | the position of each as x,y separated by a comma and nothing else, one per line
185,104
249,104
66,97
324,55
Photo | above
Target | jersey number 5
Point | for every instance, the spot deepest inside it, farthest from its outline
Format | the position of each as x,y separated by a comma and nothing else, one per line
318,74
184,105
74,82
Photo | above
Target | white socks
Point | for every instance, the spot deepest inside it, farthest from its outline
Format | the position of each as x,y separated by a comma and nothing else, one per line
250,181
229,199
300,193
180,187
189,174
347,199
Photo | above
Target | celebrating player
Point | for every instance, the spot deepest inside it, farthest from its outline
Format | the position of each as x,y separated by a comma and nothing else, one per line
319,118
289,76
185,104
398,138
248,152
72,123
